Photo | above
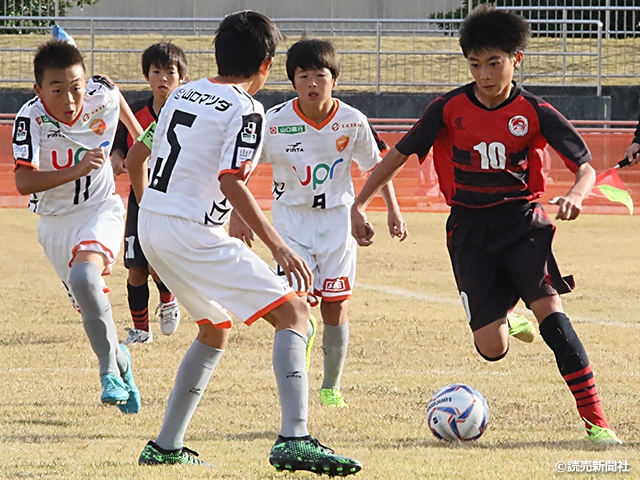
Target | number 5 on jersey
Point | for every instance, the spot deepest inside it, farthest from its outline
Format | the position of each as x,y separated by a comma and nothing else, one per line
162,170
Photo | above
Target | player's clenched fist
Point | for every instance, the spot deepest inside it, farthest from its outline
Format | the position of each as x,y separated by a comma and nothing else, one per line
92,160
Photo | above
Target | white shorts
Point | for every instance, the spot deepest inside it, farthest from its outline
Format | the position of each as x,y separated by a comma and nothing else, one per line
206,269
90,230
323,239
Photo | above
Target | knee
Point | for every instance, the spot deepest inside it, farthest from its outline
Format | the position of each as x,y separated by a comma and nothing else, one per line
137,276
212,336
492,353
84,277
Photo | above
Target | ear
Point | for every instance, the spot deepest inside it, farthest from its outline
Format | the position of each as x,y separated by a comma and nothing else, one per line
37,89
517,60
266,66
335,82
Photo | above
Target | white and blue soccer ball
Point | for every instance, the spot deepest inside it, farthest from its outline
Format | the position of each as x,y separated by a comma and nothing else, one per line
458,412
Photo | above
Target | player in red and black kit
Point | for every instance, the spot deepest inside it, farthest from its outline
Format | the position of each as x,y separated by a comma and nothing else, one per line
488,140
164,66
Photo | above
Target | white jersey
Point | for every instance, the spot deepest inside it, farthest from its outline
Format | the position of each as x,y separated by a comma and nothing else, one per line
205,129
312,162
46,144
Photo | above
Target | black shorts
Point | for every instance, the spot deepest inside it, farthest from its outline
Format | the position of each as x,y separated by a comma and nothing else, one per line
133,256
502,254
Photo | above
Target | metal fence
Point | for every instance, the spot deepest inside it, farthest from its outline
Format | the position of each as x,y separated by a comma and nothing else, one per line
376,55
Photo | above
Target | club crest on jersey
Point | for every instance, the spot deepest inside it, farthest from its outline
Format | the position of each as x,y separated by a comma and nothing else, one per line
342,143
99,126
519,125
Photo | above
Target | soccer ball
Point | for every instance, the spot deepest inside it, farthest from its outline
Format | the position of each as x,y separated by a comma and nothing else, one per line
458,412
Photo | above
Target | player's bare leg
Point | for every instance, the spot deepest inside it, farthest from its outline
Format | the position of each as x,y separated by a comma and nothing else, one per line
492,341
335,341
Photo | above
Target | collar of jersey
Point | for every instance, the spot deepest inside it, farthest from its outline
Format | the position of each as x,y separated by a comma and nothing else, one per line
307,120
58,120
515,91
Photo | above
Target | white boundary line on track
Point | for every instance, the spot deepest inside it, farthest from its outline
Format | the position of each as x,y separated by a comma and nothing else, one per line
399,292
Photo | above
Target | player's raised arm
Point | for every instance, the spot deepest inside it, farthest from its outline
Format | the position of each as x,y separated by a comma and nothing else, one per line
383,174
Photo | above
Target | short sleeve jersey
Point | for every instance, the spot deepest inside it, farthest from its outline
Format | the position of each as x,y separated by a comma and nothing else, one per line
312,162
46,144
485,157
205,129
143,111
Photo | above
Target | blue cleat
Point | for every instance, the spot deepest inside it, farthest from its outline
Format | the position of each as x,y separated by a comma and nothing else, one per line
114,391
133,404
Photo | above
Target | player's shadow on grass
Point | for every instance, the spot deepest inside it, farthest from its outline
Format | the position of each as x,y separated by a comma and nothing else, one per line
578,445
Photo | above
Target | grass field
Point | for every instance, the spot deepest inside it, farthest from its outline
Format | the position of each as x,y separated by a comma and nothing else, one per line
405,60
409,338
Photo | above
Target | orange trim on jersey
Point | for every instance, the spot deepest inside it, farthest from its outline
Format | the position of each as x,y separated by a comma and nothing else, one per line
110,258
26,164
58,120
235,171
305,119
336,299
268,308
221,325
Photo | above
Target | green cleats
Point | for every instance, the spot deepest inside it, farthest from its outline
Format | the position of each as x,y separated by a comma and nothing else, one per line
601,435
306,453
312,329
331,397
520,327
114,391
152,454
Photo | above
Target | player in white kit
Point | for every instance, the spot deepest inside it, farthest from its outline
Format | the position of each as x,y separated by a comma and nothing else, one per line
311,142
208,139
59,143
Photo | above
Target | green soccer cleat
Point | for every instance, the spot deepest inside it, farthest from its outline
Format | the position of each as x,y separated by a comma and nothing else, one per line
312,329
133,404
152,454
331,397
306,453
114,392
520,327
601,435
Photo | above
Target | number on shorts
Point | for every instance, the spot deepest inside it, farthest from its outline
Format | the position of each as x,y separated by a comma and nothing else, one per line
163,169
129,242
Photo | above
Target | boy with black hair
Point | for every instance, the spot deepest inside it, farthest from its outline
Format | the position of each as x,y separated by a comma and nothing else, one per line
207,141
164,66
488,140
311,142
59,142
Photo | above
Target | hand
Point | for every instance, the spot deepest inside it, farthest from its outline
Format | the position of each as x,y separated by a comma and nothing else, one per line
92,160
240,230
633,153
294,267
118,162
397,225
361,230
569,206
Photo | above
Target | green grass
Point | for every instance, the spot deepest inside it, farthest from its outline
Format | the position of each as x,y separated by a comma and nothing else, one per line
409,337
401,63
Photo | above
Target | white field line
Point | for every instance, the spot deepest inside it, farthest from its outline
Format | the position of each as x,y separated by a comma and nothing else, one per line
399,292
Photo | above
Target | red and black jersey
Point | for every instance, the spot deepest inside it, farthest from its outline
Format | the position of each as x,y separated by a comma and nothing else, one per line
484,157
143,111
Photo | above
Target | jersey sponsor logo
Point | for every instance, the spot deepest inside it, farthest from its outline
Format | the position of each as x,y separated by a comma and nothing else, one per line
21,152
246,154
320,174
99,126
72,157
248,140
46,119
294,147
21,131
342,143
458,124
56,134
200,98
336,285
90,114
519,125
289,129
337,126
